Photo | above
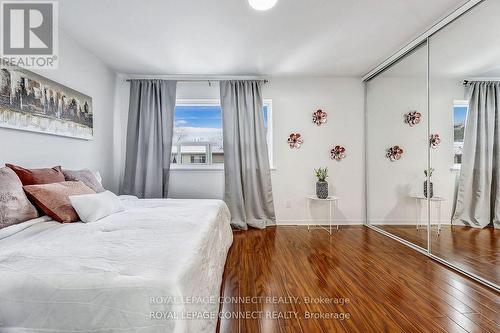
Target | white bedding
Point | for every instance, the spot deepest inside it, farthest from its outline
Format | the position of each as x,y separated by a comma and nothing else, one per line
110,275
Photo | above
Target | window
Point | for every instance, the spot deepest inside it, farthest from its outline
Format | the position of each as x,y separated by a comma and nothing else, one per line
197,139
460,109
198,159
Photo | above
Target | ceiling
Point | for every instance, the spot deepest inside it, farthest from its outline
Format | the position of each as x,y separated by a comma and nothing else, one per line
469,47
227,37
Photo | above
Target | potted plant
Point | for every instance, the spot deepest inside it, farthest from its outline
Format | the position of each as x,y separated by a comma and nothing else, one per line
428,186
321,184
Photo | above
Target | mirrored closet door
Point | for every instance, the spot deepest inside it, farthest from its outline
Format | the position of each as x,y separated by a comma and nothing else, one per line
433,145
397,155
464,74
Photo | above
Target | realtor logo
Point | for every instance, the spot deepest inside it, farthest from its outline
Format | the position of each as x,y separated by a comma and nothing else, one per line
29,33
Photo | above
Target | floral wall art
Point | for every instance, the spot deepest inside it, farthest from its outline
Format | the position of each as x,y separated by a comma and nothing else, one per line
394,153
338,153
319,117
434,141
295,141
413,118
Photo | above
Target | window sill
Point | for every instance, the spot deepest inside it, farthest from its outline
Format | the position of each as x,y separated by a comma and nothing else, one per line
456,167
200,168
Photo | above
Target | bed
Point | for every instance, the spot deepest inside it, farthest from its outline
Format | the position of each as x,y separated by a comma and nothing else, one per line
155,267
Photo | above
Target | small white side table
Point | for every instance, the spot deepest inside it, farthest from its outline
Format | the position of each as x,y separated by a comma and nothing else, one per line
333,202
419,199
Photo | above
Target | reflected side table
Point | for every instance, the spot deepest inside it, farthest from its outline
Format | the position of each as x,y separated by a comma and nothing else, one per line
434,201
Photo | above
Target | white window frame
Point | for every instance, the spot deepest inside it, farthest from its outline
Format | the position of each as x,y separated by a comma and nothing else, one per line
270,127
220,166
459,103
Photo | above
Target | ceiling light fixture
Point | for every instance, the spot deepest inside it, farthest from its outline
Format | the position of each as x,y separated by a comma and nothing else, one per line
262,4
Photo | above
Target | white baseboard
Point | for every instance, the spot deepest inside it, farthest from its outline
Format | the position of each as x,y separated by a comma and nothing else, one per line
355,222
407,222
318,222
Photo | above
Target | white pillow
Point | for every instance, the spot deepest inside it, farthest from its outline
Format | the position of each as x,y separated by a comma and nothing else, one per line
93,207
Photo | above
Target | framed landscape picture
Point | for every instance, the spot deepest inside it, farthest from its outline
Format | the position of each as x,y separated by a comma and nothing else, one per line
31,102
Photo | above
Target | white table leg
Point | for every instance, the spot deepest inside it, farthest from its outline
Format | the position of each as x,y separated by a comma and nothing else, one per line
438,206
330,217
419,210
337,203
308,205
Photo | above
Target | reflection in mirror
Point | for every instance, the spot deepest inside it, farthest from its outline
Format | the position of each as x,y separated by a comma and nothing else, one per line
397,154
466,178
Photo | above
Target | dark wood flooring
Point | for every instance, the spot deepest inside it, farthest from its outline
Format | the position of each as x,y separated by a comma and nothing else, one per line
472,249
384,286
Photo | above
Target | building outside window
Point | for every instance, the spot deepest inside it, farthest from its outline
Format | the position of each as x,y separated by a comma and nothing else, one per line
198,137
460,109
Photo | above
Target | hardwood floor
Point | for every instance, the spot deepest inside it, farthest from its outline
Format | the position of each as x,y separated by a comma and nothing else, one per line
474,250
385,286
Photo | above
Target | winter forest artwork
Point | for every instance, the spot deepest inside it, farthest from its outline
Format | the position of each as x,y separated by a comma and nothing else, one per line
31,102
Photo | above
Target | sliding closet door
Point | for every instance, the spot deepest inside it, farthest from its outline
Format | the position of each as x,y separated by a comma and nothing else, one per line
397,149
465,151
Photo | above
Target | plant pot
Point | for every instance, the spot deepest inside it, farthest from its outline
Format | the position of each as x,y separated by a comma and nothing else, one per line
322,189
428,189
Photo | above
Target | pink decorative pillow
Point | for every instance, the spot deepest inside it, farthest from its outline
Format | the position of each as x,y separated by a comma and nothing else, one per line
38,176
14,206
53,198
86,176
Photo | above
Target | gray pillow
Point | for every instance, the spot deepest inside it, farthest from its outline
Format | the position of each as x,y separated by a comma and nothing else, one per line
14,205
85,176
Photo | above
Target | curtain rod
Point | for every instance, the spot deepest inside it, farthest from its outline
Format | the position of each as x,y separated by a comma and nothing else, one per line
194,80
485,79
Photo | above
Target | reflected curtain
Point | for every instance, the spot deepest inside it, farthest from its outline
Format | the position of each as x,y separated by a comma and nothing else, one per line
149,138
248,189
478,197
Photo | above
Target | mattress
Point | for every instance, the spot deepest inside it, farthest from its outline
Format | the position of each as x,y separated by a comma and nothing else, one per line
155,267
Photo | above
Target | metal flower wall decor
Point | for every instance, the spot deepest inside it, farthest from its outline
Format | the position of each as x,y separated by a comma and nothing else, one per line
338,153
394,153
319,117
434,141
412,118
295,140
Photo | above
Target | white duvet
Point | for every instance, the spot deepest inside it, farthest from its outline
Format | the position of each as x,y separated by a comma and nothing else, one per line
156,267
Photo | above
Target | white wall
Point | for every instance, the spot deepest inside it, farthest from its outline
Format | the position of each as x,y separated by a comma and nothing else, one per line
120,113
294,101
80,70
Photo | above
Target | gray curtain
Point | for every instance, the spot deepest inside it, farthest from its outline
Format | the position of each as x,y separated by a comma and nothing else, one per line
248,189
149,138
478,198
